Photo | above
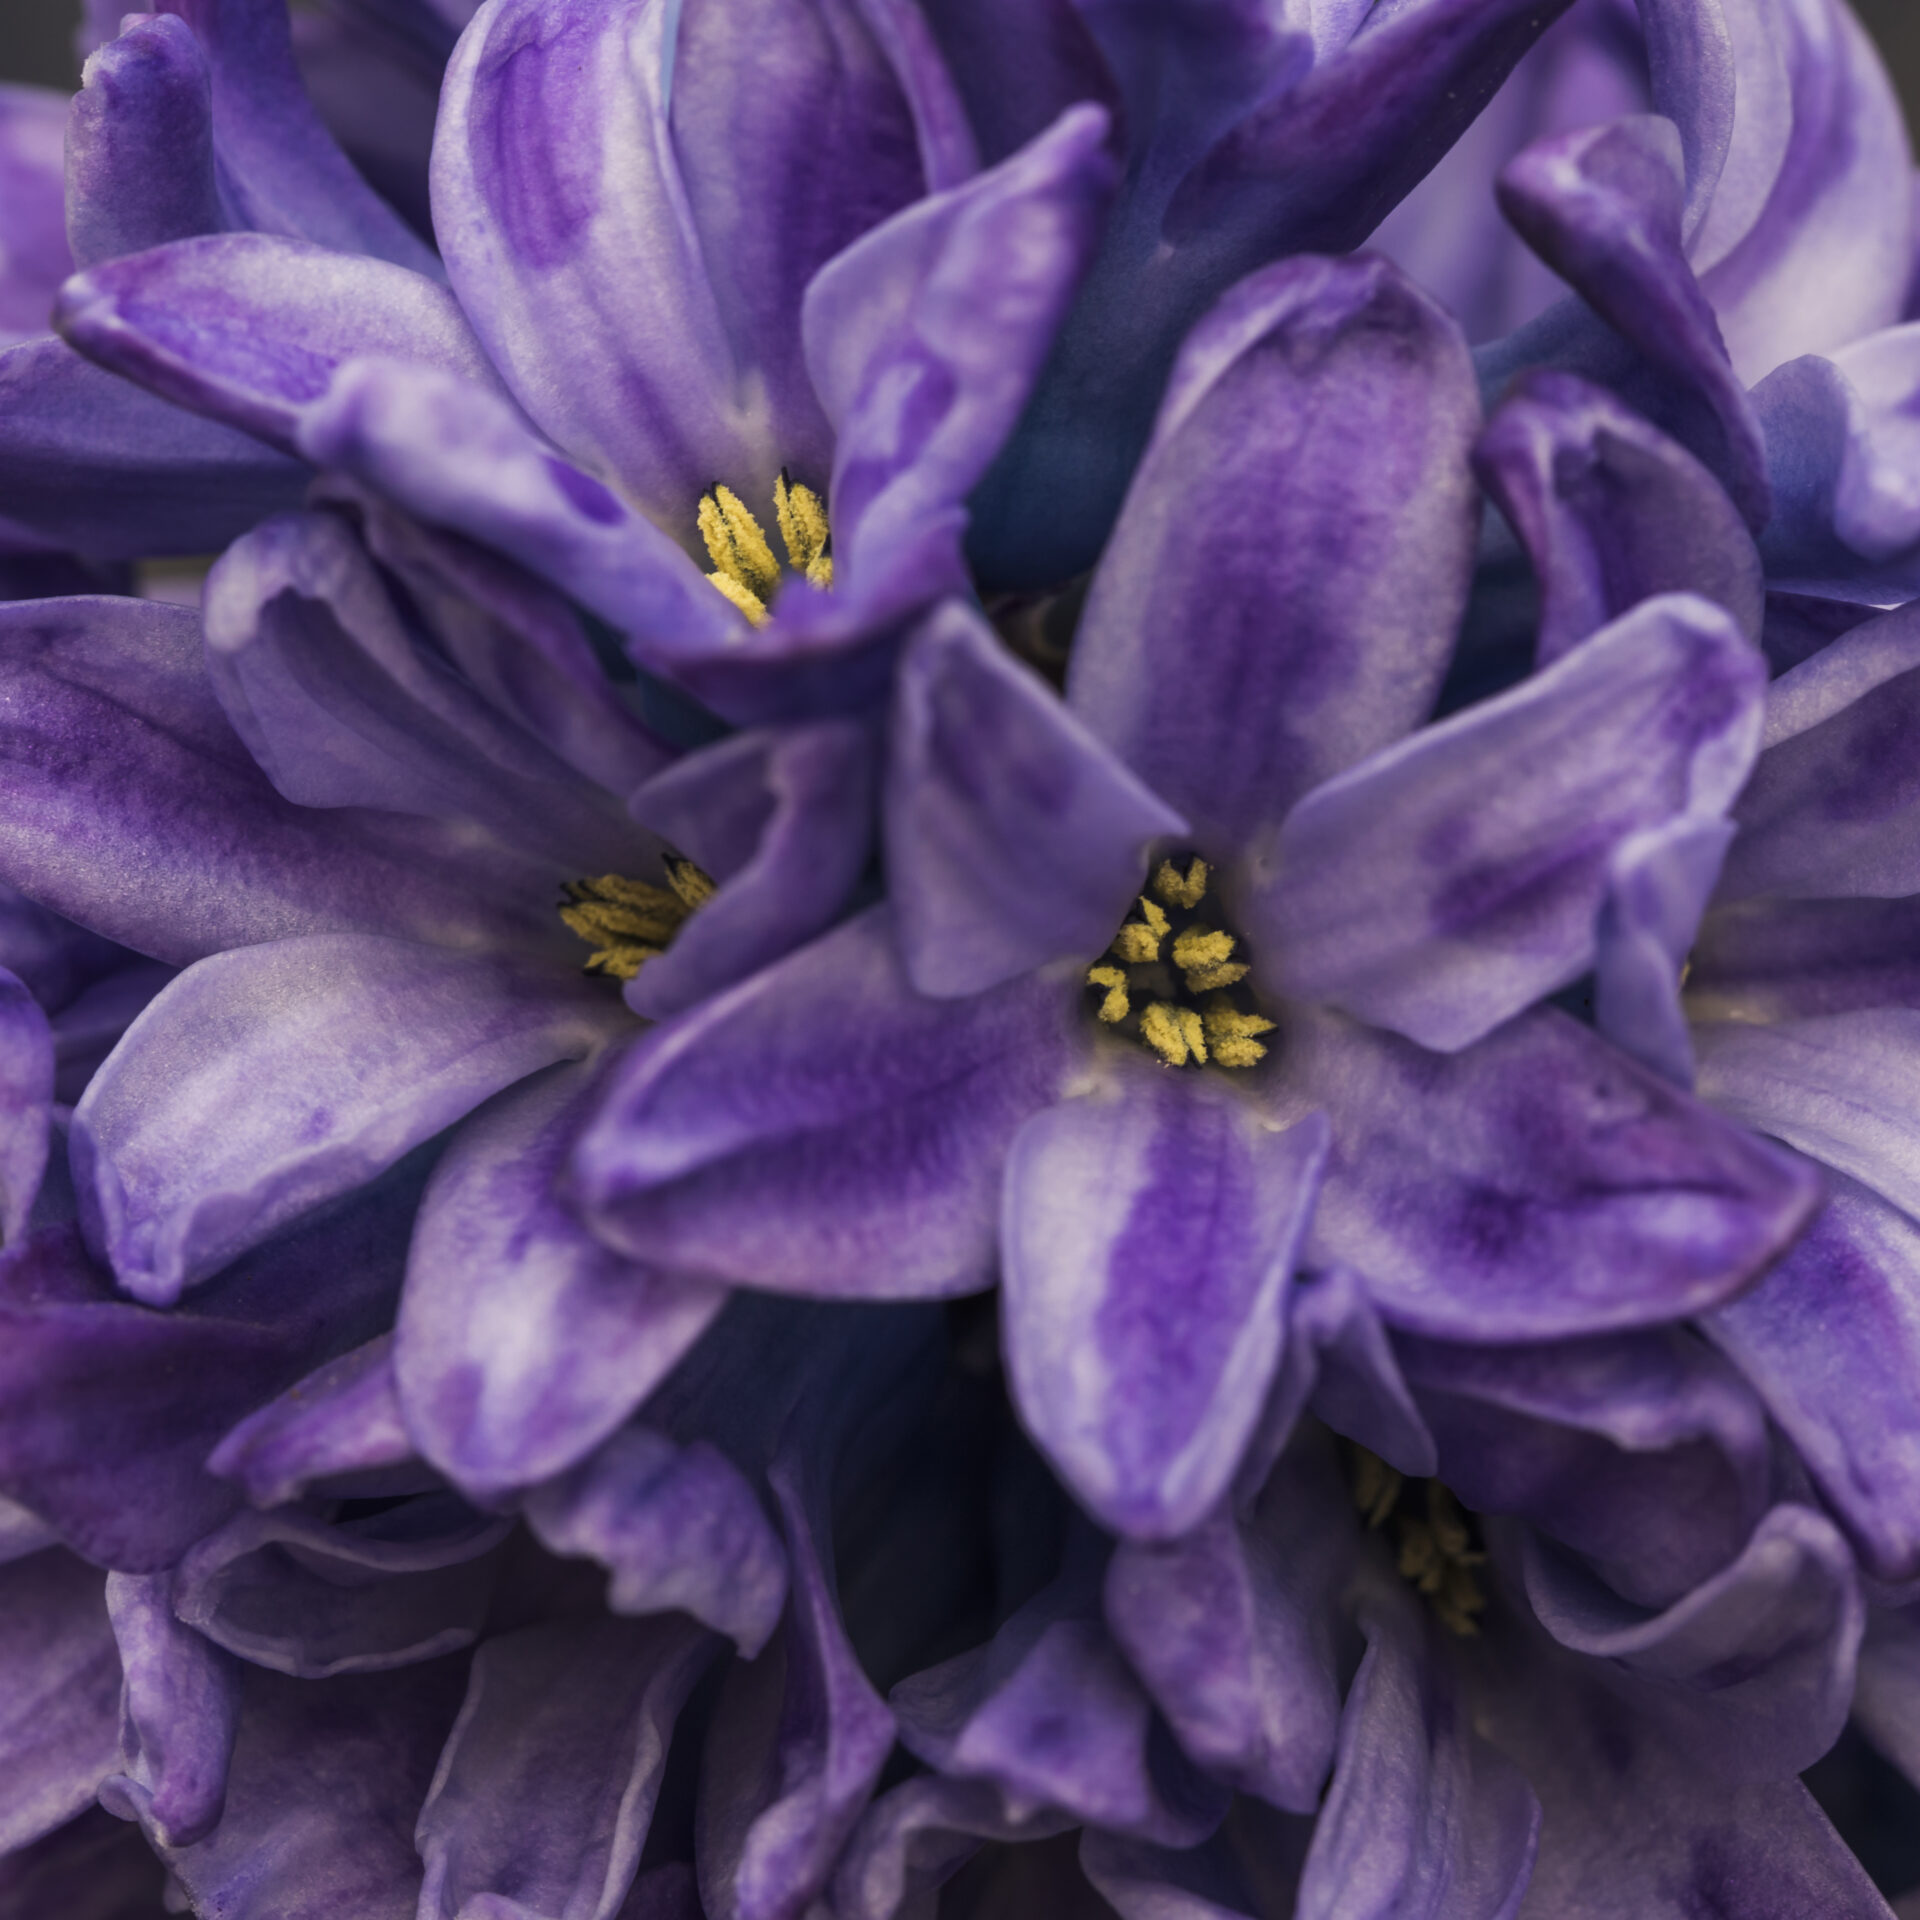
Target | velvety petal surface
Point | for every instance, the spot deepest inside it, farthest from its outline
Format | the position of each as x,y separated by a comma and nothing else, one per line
1536,1186
522,1341
1149,1233
1012,836
1280,595
822,1129
26,1101
1398,894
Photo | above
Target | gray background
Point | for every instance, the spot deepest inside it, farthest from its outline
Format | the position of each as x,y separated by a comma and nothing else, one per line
35,41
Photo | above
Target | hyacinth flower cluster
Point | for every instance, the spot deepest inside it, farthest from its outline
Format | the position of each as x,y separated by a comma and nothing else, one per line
963,1036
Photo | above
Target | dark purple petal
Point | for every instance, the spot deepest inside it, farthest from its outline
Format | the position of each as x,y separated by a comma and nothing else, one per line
1233,1630
289,1591
26,1103
341,1423
1886,1702
93,1868
33,238
544,1794
925,339
21,1532
797,1741
676,1527
341,704
328,1777
822,1129
1141,1881
1458,1181
1643,1452
1397,894
131,807
90,462
89,1027
1018,64
1753,1669
140,144
1419,1799
108,1410
270,1079
179,1709
59,1693
522,1341
1280,596
250,329
1610,511
1012,836
783,818
1831,1341
1603,207
1768,960
1149,1233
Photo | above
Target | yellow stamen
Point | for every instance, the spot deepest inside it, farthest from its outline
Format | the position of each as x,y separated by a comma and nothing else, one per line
749,603
1182,890
803,526
693,887
1376,1486
1139,944
629,922
1201,953
1174,1033
1117,1005
1230,1033
736,545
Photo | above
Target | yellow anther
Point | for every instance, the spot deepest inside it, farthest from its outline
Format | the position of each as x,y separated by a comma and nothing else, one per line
1138,943
629,922
1117,1005
803,526
693,887
1201,953
1174,1033
1230,1033
1376,1486
749,603
1182,890
737,545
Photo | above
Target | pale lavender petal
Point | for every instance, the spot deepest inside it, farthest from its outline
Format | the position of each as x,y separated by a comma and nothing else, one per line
250,329
33,240
21,1532
544,1794
341,1423
1610,511
26,1103
1149,1232
262,1083
59,1693
1423,1814
676,1527
522,1341
1013,837
1397,894
1457,1180
179,1708
1280,596
292,1592
1752,1670
783,819
823,1129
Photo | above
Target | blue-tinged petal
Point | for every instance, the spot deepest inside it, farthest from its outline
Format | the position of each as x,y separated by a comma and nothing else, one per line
92,463
140,144
523,1342
822,1129
179,1708
1603,207
1643,1452
783,819
1457,1181
1280,596
1012,836
33,239
341,1425
1423,1814
1397,893
925,339
328,1778
1149,1233
292,1592
1018,65
676,1528
270,1079
249,329
1752,1670
1610,511
26,1103
59,1693
132,807
1233,1630
108,1410
342,703
544,1794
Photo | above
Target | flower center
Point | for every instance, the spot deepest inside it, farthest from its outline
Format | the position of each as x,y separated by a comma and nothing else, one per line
744,568
1168,980
1432,1534
628,922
